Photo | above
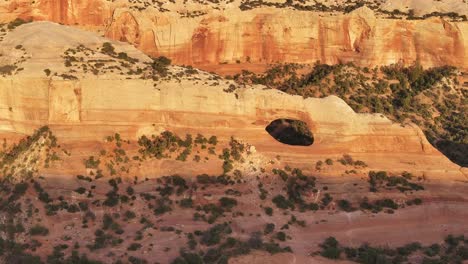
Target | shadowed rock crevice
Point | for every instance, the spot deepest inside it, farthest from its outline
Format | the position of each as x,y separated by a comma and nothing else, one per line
291,132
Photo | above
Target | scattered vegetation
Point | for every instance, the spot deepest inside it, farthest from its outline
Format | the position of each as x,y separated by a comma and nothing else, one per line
432,98
222,246
453,250
380,180
298,186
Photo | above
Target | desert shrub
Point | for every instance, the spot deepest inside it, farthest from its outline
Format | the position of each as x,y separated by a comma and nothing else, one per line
206,179
134,246
188,258
136,260
345,205
16,23
91,162
213,140
297,184
7,69
409,248
107,48
84,178
326,200
330,248
124,56
83,206
227,166
227,202
346,160
112,199
269,228
130,190
20,189
281,236
38,230
160,65
213,235
319,72
162,206
462,252
350,8
80,190
281,202
432,250
129,215
389,203
186,203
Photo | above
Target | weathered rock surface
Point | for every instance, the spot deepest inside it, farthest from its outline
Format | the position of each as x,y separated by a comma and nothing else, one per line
90,107
83,90
207,35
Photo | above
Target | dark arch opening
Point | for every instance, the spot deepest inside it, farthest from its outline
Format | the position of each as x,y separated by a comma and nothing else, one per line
291,132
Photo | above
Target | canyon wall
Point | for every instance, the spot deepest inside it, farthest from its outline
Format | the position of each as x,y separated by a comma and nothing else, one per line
87,110
262,35
272,36
84,109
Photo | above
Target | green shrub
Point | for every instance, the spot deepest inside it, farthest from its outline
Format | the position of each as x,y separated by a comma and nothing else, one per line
91,162
462,252
161,64
326,200
213,235
7,69
191,258
186,203
227,166
80,190
129,215
16,23
134,246
108,49
269,211
38,230
227,202
281,236
213,140
269,228
330,248
281,202
389,203
345,205
112,199
20,189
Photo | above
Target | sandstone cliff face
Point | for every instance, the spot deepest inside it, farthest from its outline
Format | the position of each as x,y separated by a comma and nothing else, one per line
91,107
262,35
84,13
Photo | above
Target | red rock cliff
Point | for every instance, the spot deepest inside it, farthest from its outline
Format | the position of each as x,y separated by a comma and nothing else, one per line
262,36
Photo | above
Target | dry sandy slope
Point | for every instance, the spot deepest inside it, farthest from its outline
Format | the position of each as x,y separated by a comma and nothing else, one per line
422,7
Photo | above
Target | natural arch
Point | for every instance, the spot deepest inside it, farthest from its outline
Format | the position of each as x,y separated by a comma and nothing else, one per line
291,132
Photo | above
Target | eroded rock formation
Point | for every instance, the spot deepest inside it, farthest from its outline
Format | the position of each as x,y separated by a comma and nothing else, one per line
86,170
205,36
81,106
